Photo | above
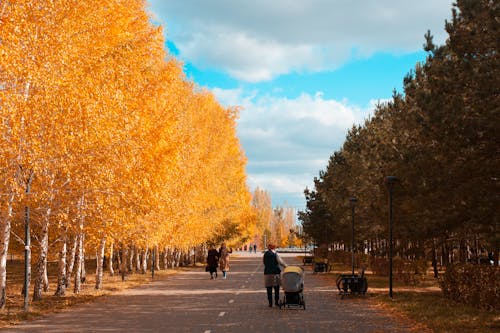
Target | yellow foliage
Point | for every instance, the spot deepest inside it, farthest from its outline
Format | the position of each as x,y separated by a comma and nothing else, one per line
114,133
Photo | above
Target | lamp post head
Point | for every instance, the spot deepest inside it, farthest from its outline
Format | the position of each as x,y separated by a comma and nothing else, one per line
390,181
353,201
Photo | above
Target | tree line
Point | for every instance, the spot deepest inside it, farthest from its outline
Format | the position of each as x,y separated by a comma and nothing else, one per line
274,225
105,146
440,139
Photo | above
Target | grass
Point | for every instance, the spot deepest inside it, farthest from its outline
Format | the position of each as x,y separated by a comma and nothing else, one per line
14,312
426,305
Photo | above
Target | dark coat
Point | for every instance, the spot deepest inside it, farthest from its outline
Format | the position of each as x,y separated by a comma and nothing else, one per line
213,258
271,263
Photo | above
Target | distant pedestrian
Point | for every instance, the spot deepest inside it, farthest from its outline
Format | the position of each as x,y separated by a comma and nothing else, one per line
272,270
212,262
254,248
224,260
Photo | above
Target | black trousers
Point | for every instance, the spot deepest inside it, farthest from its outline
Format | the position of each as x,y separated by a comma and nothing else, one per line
270,295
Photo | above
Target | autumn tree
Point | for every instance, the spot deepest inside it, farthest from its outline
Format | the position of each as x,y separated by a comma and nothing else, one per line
119,149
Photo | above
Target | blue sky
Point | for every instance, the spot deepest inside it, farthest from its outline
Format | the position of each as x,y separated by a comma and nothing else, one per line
303,71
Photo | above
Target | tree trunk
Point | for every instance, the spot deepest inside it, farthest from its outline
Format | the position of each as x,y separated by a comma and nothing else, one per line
83,276
110,261
444,253
71,263
124,262
144,260
434,259
41,265
61,274
45,278
462,251
176,258
166,258
137,252
119,256
99,263
78,265
5,225
157,258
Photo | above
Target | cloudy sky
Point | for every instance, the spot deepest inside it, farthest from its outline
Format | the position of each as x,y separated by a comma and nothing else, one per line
303,71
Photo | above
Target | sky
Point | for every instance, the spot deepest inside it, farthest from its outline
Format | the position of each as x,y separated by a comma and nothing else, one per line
302,71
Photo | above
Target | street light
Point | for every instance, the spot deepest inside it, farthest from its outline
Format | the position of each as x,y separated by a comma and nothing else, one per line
390,181
328,216
352,201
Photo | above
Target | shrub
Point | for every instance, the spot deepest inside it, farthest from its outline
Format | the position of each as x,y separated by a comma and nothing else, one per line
410,272
477,285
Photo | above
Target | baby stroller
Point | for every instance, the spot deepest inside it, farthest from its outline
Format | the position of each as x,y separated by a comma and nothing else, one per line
292,282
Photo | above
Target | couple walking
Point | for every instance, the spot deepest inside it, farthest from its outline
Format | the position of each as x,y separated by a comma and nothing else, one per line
218,259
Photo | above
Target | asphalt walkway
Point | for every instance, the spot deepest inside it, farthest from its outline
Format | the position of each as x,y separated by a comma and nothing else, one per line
191,302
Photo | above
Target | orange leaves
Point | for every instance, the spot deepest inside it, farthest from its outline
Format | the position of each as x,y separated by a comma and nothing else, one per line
90,100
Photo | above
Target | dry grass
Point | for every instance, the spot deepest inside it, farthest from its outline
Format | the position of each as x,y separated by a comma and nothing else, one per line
426,305
14,312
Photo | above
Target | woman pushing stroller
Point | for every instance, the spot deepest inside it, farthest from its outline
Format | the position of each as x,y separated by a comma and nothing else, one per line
272,270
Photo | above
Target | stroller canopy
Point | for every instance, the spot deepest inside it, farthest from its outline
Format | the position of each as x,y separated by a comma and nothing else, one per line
292,279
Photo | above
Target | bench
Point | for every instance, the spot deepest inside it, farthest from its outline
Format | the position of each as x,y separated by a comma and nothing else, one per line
321,266
349,284
308,260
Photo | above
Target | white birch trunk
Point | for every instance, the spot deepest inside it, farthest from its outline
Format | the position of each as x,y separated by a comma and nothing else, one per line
71,263
5,225
110,261
177,257
79,253
157,258
99,268
46,286
78,265
41,265
145,254
83,273
61,274
137,252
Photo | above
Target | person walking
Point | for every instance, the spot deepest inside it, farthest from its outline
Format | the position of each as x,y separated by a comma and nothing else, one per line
212,261
224,260
272,270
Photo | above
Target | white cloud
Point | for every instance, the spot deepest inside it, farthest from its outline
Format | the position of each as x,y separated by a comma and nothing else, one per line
260,39
277,183
287,141
245,57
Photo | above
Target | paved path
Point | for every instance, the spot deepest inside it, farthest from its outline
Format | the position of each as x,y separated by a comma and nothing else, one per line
191,302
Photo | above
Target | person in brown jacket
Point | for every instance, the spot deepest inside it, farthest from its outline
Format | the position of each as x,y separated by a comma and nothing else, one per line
224,260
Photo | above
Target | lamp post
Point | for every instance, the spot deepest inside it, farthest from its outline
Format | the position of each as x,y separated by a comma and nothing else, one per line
352,201
390,181
327,229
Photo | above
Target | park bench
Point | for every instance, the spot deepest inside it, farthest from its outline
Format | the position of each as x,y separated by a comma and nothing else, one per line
321,265
308,260
352,284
